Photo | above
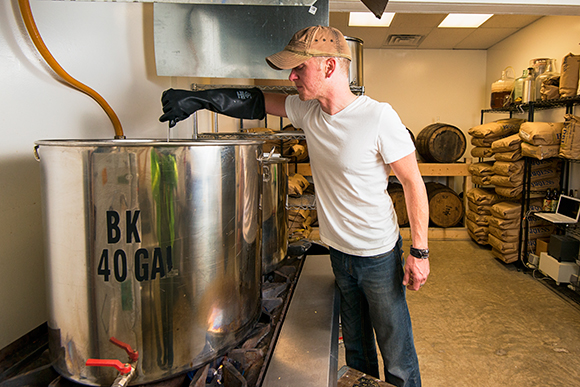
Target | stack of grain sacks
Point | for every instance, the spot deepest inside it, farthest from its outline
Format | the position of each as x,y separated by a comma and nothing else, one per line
498,140
300,220
541,139
479,203
570,144
497,201
504,230
505,177
541,142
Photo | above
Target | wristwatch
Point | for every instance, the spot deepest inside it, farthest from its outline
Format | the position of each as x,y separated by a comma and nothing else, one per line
420,253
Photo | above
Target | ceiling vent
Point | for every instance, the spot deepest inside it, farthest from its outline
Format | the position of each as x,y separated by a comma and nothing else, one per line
402,40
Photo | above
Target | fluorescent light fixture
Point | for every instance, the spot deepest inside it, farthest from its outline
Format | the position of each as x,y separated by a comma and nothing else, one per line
464,20
367,19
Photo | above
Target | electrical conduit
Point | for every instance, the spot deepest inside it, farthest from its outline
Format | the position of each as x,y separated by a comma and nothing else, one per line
28,19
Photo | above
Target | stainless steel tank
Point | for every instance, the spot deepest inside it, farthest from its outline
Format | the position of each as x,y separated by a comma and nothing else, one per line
155,244
274,212
355,74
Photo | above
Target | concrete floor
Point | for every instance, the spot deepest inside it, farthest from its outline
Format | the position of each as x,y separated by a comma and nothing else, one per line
479,322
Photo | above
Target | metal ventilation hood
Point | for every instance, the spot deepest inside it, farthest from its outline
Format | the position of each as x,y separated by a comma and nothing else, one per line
227,41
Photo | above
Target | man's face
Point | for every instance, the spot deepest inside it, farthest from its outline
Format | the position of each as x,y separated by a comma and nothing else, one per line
308,78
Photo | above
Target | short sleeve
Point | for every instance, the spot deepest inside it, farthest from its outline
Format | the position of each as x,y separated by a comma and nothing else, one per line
394,139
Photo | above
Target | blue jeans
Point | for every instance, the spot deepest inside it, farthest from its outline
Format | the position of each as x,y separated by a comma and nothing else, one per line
373,296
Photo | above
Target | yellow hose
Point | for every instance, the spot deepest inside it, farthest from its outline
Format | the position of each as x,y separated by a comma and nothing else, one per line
26,13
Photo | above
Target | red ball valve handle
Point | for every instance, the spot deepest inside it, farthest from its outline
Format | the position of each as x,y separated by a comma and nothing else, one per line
121,367
133,355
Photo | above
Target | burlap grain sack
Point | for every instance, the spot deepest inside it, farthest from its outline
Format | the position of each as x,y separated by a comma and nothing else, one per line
297,214
484,141
481,169
481,180
540,232
544,184
544,173
506,210
480,209
296,235
569,75
507,168
509,192
508,235
507,144
269,144
482,196
476,229
296,152
506,258
513,180
540,164
297,184
295,224
540,152
480,239
499,128
476,218
541,133
550,88
534,221
502,246
509,156
504,224
481,152
570,143
536,204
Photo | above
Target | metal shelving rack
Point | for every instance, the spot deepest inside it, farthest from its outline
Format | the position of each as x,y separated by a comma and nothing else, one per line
531,108
305,202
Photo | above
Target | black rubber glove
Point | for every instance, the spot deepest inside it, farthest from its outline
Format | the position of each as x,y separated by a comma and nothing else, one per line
237,103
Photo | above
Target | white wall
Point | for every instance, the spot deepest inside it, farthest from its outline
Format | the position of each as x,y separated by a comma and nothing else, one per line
427,86
549,37
107,46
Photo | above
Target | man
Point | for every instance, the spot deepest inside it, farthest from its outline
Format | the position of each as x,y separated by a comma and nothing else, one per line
353,143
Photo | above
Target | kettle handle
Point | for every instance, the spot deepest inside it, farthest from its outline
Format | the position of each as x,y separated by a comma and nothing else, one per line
36,155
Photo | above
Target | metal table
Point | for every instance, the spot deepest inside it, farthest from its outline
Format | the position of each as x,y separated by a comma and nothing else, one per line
306,353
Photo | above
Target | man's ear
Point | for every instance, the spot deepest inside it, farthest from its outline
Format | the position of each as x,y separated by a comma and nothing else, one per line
330,67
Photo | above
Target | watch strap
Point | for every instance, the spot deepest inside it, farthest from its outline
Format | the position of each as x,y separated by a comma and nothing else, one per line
420,253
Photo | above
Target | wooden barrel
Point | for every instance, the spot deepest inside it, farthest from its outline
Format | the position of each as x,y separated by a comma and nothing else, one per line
441,143
395,190
445,206
412,136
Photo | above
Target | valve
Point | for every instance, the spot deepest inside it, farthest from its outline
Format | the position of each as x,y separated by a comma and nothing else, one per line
133,355
123,368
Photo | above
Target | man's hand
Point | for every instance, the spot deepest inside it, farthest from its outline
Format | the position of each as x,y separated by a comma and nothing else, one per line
178,105
416,272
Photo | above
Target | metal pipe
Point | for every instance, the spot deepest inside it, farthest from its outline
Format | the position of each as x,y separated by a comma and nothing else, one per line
123,379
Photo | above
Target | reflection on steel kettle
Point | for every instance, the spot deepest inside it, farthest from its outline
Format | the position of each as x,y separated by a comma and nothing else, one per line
155,243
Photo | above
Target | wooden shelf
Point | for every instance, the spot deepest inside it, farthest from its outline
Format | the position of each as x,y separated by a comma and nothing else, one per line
426,169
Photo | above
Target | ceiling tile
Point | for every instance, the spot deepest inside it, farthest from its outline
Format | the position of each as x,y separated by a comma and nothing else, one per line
510,21
445,38
414,20
482,39
497,28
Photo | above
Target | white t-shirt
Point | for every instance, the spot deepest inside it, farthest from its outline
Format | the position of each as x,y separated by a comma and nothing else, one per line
349,156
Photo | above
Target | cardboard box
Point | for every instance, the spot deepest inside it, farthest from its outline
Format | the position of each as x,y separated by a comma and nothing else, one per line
561,272
542,245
